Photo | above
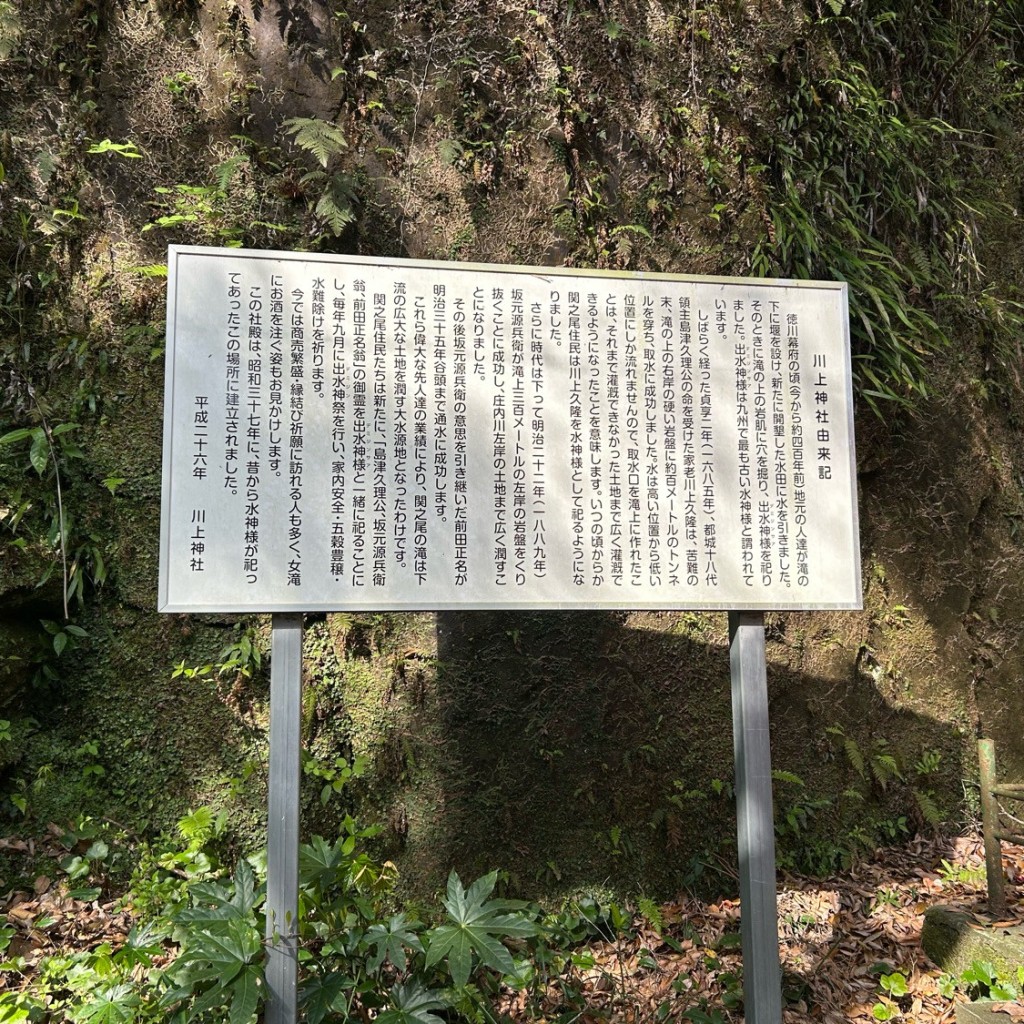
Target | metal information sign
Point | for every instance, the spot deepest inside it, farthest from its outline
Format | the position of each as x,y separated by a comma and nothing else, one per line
342,431
350,433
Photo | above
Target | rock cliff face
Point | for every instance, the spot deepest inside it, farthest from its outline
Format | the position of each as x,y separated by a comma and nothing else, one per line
838,140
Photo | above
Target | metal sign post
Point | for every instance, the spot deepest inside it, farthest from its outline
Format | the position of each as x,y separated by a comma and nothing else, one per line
762,981
283,819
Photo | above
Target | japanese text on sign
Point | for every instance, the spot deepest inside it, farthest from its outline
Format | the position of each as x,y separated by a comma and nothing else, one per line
345,432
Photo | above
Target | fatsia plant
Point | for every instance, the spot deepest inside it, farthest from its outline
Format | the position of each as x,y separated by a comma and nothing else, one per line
474,929
411,1003
219,970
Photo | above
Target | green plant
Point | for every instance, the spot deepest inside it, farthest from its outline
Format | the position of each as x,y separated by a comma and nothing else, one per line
218,973
240,658
894,988
982,981
886,898
10,30
476,924
48,451
128,150
878,762
847,170
336,775
964,874
335,191
89,857
411,1003
181,83
89,751
164,870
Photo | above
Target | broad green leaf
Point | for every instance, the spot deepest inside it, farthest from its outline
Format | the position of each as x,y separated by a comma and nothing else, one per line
322,995
245,994
390,941
411,1004
16,435
39,453
476,925
245,887
319,863
98,850
215,901
895,984
116,1005
235,945
213,998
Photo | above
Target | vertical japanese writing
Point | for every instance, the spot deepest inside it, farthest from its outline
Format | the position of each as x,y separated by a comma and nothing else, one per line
317,315
419,438
197,540
339,437
670,433
479,333
761,442
400,459
707,448
576,513
746,504
652,445
499,425
781,473
496,436
595,389
460,448
796,427
614,442
360,430
518,438
823,434
688,437
380,440
275,399
200,436
440,440
233,374
632,434
296,439
538,490
253,436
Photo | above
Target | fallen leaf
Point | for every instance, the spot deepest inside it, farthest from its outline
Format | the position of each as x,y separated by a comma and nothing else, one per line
1015,1011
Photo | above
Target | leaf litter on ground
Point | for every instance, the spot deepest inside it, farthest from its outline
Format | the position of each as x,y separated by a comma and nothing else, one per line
836,935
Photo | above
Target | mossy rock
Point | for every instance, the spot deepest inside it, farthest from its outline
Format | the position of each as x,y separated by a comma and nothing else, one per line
954,939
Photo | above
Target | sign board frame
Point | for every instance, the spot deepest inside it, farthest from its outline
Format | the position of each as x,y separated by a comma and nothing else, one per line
193,319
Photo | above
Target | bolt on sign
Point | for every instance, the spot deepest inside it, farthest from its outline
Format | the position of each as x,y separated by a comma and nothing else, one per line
393,434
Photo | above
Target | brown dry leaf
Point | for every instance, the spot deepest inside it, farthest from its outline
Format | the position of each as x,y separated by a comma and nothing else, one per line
23,913
42,883
1015,1011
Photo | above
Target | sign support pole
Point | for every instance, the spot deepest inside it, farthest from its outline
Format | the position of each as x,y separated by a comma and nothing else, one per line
283,819
762,980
